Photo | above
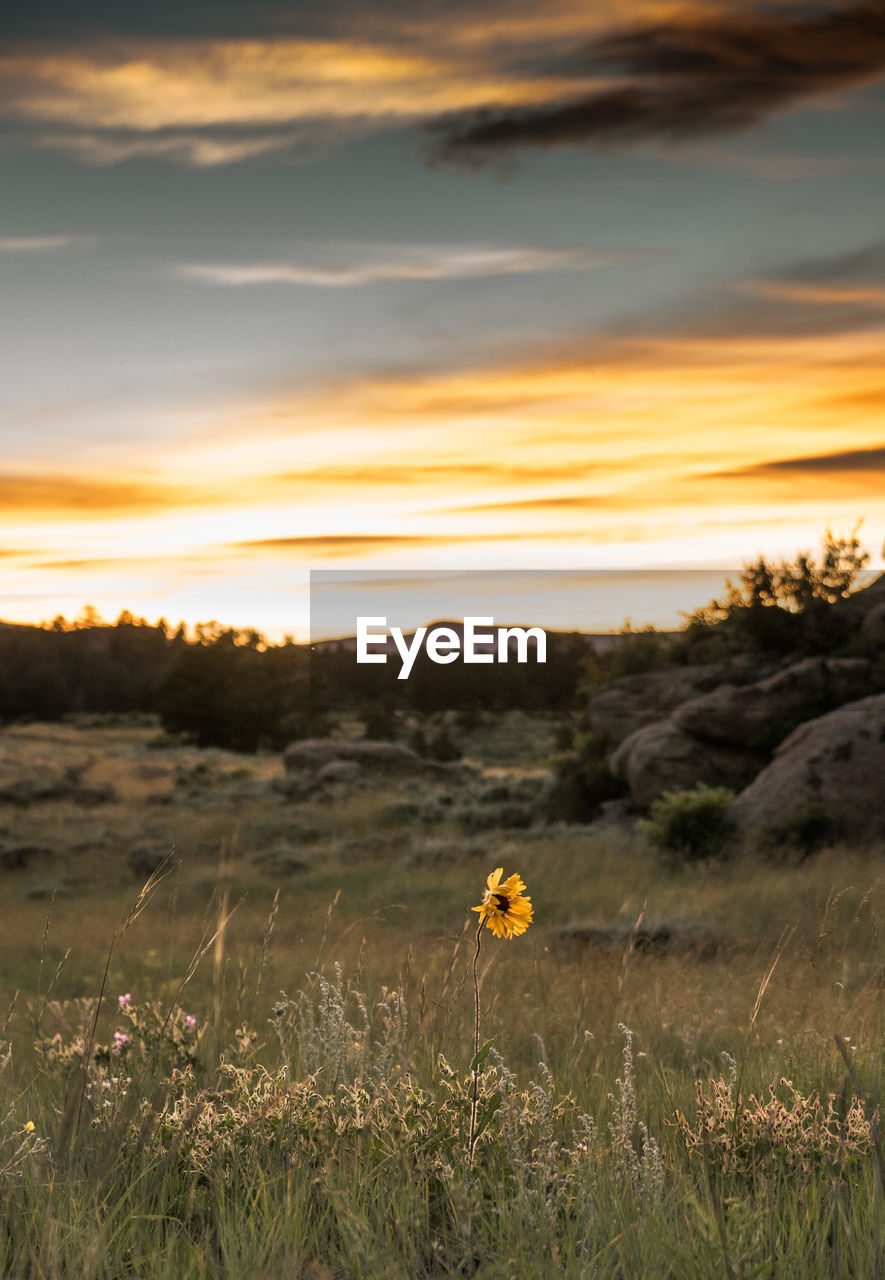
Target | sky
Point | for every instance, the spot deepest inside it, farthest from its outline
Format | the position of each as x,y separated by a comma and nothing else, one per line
432,286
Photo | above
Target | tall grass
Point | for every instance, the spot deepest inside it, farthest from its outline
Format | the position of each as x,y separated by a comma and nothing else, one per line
326,1132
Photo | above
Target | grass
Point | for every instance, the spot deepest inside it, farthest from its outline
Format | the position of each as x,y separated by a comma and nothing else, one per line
292,1098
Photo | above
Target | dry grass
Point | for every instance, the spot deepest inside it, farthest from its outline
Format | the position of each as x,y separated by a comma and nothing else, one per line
389,903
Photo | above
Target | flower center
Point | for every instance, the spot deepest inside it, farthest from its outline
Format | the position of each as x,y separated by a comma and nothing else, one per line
502,902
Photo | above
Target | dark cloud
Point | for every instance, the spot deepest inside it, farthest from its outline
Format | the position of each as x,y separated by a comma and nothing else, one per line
865,265
846,462
687,79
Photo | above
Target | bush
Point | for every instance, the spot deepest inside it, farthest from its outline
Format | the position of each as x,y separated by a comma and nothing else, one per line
381,722
582,781
804,831
690,825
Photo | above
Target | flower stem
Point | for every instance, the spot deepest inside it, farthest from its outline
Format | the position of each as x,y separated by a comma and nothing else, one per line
472,1139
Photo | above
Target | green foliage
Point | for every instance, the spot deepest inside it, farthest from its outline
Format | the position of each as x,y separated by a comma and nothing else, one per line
691,825
229,690
634,653
441,745
380,721
347,1156
803,831
779,606
582,780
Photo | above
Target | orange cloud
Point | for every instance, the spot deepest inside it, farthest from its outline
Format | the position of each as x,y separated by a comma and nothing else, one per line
144,88
63,493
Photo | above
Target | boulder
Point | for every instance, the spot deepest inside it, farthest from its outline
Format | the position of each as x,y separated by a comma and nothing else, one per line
389,759
632,702
860,604
836,761
661,758
346,773
759,716
873,625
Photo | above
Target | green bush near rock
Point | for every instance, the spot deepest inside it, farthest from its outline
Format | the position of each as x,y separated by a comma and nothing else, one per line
688,826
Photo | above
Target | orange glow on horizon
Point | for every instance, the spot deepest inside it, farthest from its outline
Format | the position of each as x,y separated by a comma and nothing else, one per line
643,454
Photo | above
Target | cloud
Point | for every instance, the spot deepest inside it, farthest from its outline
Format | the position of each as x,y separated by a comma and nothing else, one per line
333,546
847,295
37,244
863,462
215,101
205,150
208,84
64,493
831,294
383,264
556,502
426,471
686,78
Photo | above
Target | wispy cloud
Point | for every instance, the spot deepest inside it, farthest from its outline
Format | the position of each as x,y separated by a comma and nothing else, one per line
218,101
200,150
381,264
864,462
845,295
39,244
68,493
346,546
687,77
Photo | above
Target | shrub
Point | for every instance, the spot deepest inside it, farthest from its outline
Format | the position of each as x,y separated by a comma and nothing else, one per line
582,781
804,830
690,825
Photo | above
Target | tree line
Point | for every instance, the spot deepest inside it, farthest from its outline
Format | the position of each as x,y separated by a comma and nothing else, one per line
220,686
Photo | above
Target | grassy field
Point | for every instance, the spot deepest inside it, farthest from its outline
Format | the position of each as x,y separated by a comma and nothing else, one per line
683,1080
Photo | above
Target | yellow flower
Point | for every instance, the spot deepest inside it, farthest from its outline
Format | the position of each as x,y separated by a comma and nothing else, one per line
505,908
30,1126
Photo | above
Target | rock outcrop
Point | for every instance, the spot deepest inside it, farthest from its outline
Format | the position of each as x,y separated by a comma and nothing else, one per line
836,761
661,758
633,702
310,756
759,716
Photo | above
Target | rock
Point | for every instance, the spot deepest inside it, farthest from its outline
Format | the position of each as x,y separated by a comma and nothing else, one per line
837,761
388,759
662,758
873,625
860,604
632,702
758,716
341,773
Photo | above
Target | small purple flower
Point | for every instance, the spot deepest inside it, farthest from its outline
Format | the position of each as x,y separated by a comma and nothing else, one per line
189,1020
120,1038
122,1001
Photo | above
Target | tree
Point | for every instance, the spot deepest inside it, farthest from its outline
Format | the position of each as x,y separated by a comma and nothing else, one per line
781,605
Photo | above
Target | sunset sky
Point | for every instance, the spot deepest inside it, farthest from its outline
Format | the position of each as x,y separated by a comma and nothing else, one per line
432,286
